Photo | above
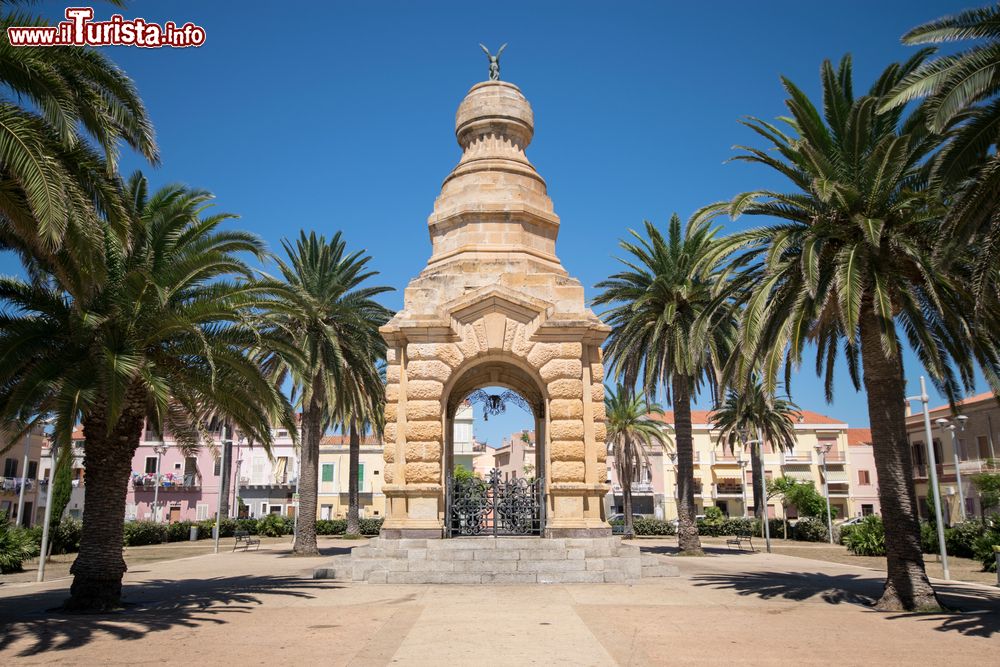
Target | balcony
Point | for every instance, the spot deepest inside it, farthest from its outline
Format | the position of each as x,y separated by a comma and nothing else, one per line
796,458
168,482
726,491
13,484
637,487
724,459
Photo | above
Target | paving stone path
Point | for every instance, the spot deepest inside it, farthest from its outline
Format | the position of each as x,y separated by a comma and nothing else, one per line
265,608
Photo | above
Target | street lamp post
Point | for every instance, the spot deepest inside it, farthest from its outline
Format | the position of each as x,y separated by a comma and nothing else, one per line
743,483
160,450
218,508
822,450
24,482
932,464
747,444
53,454
946,425
673,463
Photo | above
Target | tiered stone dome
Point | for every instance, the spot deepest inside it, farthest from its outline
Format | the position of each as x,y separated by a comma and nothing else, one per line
494,202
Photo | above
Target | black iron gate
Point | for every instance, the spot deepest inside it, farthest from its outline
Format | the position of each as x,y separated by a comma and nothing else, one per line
495,506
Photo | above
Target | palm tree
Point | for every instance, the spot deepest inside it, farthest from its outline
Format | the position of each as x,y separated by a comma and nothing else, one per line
161,342
632,432
672,328
962,94
63,114
859,258
328,313
754,411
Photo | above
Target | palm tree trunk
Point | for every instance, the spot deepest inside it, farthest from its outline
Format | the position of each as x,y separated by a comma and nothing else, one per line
225,472
305,537
756,470
626,483
907,586
354,457
99,567
687,529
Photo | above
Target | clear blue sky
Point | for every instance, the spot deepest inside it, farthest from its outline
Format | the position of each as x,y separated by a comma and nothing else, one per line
340,115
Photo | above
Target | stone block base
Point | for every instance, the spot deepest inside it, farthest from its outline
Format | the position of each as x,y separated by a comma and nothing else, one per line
494,560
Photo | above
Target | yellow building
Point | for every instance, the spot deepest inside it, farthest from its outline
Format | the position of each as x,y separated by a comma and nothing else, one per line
334,468
723,478
964,445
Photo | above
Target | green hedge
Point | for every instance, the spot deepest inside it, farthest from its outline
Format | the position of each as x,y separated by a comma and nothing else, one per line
810,529
331,526
727,526
370,526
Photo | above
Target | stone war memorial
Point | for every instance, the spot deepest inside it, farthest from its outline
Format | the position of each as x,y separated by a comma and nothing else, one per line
495,308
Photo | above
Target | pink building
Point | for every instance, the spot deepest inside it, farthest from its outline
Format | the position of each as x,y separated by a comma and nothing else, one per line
190,482
861,462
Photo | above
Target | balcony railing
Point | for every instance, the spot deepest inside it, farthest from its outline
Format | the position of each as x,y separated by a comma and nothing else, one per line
14,484
796,458
171,483
726,491
637,487
720,458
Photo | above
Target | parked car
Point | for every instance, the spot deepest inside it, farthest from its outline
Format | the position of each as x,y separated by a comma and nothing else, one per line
852,521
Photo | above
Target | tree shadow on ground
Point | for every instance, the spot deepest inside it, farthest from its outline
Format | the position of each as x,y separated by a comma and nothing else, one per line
664,550
976,612
151,606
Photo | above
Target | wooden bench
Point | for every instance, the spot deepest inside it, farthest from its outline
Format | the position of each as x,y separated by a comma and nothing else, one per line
739,540
246,540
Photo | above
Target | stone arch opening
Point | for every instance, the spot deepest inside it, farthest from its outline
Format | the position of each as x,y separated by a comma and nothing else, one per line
509,373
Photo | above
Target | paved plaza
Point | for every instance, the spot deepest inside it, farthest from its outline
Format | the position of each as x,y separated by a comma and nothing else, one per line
264,608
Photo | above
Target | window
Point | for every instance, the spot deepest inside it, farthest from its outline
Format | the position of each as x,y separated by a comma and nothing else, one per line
983,445
864,478
327,474
263,508
150,465
190,470
217,470
325,512
10,468
202,511
32,469
361,474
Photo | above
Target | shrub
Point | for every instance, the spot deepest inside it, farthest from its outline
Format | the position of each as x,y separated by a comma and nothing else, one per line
249,525
369,526
841,533
982,548
867,538
16,546
272,525
810,529
333,526
714,515
960,538
928,538
653,527
179,531
139,533
66,537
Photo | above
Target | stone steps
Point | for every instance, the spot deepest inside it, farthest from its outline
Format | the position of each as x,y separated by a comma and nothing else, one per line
497,560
